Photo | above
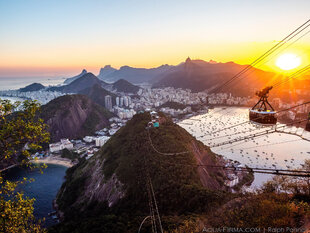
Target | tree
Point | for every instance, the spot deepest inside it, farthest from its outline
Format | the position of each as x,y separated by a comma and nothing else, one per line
21,130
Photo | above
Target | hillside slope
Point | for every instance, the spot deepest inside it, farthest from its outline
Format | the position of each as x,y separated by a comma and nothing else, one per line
108,192
122,85
85,81
70,80
97,94
73,116
32,87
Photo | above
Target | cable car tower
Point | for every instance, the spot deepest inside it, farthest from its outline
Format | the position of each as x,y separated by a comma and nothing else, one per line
263,112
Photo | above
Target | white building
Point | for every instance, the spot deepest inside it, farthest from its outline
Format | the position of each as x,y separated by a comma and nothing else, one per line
64,143
88,139
117,101
100,141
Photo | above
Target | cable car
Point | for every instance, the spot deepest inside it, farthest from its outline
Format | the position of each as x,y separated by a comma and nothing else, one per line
263,112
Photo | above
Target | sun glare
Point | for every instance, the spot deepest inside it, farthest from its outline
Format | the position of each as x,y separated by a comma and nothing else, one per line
288,61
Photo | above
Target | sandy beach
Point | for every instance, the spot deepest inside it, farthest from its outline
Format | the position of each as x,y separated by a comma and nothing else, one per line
55,160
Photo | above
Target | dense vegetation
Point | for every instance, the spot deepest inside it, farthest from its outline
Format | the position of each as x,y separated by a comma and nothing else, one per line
65,153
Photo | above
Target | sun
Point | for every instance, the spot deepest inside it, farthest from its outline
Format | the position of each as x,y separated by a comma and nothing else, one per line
288,61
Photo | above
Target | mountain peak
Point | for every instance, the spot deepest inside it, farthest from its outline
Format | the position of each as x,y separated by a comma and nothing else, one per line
212,62
69,80
188,60
123,85
105,71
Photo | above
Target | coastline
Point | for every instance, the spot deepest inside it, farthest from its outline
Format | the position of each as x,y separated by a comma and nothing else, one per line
55,160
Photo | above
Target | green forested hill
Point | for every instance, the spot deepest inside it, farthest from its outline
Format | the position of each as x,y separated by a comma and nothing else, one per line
109,190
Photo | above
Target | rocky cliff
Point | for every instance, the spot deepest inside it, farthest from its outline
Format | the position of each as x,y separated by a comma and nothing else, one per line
74,116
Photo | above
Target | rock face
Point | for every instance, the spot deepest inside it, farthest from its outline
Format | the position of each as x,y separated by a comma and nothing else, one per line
74,116
32,87
106,71
113,182
70,80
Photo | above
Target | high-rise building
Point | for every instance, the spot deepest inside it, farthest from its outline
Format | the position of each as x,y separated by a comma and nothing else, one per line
117,101
126,102
108,102
121,103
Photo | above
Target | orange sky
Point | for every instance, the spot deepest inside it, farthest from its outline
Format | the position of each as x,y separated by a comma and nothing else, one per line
57,38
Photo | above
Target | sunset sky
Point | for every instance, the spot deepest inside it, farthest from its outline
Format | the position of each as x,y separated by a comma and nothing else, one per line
61,37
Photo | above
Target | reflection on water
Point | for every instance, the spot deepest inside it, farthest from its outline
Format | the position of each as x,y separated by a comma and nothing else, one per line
276,150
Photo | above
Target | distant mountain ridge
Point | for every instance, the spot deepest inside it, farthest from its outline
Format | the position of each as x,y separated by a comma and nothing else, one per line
198,75
131,74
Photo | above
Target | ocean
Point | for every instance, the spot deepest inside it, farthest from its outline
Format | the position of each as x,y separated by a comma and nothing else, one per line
13,83
44,189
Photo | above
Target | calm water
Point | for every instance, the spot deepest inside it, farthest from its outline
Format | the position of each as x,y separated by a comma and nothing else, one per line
43,189
277,150
12,83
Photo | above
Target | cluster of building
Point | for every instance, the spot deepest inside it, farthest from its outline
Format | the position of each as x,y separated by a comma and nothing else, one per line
90,144
153,98
123,108
176,112
234,175
229,99
63,144
124,113
84,148
43,97
298,112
